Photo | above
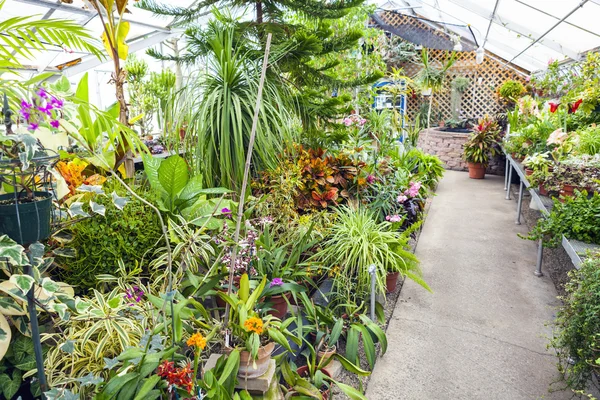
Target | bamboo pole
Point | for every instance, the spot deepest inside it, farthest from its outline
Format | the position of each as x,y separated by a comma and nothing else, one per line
236,236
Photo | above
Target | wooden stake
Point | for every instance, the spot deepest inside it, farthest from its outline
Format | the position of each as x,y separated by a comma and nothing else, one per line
240,213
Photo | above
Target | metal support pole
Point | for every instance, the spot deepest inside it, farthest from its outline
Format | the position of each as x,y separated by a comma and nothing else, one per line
506,167
510,169
372,272
35,333
538,268
520,203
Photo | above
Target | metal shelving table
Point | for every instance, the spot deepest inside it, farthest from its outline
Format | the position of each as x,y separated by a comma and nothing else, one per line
574,248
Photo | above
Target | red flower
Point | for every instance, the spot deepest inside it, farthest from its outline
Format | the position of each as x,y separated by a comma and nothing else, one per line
181,377
553,106
573,108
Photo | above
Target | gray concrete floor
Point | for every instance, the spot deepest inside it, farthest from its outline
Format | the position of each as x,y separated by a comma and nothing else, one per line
482,333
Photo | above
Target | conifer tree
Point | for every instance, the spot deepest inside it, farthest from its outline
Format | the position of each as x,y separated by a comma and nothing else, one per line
302,38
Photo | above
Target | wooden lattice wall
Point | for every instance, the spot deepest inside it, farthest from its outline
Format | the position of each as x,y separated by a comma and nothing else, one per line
481,97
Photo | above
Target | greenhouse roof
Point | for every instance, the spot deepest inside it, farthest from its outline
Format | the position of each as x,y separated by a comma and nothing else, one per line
146,30
527,33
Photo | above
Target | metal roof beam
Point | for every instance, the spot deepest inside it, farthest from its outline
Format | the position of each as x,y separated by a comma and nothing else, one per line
89,13
521,30
134,45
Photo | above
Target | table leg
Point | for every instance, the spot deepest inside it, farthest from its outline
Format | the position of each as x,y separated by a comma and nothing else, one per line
520,203
538,268
510,170
507,165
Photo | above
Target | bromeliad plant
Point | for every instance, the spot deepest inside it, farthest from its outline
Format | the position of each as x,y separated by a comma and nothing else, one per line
482,143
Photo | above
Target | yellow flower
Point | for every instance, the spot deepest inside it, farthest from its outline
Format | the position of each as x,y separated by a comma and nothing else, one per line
254,324
197,340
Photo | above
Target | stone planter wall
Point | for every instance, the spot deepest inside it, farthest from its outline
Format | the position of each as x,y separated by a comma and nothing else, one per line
448,146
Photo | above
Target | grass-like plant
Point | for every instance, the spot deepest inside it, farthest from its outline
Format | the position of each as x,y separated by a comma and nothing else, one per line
220,118
357,241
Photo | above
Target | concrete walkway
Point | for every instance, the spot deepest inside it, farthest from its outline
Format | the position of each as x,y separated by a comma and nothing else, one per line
482,334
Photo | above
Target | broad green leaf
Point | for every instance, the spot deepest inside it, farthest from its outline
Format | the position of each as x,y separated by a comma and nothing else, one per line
23,282
173,175
149,384
353,368
350,391
244,291
90,379
368,344
352,344
231,366
114,385
49,285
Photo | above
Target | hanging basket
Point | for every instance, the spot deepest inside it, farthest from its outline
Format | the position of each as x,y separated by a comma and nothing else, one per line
25,221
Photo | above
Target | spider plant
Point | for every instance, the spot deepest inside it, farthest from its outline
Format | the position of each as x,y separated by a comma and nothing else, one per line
357,241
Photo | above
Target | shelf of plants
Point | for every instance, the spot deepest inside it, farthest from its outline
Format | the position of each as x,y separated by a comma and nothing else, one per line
555,150
240,211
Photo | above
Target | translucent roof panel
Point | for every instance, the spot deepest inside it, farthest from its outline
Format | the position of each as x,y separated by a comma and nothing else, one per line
146,30
563,29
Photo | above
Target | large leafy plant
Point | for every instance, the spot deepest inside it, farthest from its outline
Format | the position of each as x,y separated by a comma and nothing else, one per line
178,192
577,330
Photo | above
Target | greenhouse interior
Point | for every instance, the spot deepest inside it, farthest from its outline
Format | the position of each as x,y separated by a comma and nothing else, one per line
311,199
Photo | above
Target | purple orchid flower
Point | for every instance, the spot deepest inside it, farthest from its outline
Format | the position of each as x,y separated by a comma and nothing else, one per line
276,282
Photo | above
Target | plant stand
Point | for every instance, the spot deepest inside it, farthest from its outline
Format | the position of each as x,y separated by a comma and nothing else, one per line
265,386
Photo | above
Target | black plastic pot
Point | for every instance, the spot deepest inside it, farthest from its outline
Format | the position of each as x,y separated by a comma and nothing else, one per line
34,218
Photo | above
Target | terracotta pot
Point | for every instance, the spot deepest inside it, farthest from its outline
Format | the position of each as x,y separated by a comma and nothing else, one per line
391,281
568,191
528,172
476,170
303,372
543,190
326,355
247,370
279,305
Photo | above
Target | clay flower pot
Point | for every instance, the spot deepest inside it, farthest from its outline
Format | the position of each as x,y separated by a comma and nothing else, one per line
391,281
543,191
476,170
568,191
528,172
279,305
247,370
326,355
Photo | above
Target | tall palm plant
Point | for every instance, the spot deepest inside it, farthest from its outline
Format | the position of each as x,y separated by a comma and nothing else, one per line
221,115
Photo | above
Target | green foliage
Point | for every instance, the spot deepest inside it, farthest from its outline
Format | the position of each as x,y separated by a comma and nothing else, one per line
355,242
18,360
221,119
577,332
100,242
574,217
460,84
511,90
431,77
588,141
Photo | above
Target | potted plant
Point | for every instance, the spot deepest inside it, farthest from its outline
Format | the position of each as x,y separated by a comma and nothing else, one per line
253,335
280,264
511,90
537,162
25,211
325,328
356,241
431,79
313,381
480,145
